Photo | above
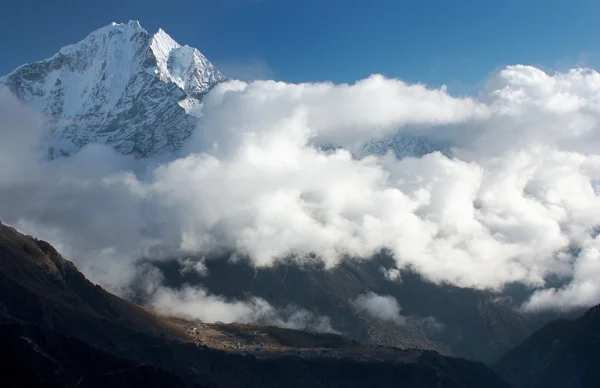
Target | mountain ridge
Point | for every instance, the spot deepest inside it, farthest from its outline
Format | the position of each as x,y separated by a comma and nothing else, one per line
120,86
564,353
53,317
145,112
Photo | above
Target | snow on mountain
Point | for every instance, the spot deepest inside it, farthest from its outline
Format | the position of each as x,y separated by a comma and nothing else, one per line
120,86
136,91
402,145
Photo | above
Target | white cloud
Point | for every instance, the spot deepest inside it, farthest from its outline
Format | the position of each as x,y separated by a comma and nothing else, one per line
582,291
517,202
384,308
324,113
193,265
391,274
196,303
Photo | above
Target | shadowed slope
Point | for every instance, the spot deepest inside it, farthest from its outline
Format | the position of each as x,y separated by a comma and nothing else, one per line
61,330
564,353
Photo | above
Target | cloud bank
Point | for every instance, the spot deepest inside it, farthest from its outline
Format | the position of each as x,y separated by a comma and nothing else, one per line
517,200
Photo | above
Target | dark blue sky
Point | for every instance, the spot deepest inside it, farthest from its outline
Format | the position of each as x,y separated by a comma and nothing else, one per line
456,42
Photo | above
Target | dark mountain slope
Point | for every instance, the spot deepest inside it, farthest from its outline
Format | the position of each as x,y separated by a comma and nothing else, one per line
474,324
38,286
564,353
35,357
58,329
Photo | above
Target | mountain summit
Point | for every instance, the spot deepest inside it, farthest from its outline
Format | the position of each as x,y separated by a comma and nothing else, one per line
136,91
120,86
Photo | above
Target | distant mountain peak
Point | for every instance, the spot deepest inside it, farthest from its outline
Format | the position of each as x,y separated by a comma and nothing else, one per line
121,86
136,91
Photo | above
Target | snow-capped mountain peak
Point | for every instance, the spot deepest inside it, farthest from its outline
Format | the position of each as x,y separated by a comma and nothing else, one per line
162,45
121,86
183,65
135,91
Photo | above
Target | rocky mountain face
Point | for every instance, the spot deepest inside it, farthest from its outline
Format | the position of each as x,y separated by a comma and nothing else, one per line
136,92
119,86
564,353
58,329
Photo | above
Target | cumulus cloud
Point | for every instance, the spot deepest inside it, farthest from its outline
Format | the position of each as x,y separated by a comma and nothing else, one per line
384,308
391,274
196,303
323,113
516,200
582,291
193,265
